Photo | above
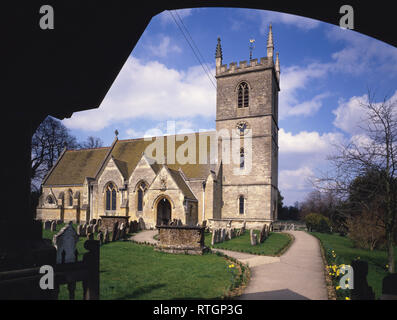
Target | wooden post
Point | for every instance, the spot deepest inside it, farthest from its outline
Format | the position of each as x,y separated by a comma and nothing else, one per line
91,259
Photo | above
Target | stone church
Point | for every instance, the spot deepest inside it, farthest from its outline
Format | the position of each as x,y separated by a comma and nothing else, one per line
192,177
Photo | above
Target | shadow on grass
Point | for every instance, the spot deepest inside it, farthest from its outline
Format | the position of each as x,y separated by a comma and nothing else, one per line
140,291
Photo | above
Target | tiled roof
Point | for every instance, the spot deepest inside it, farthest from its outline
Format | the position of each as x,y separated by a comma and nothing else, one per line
76,165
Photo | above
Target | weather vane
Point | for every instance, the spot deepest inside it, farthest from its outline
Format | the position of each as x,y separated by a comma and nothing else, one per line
251,47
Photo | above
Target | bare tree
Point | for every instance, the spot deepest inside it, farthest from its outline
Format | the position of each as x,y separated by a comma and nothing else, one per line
92,142
374,154
48,141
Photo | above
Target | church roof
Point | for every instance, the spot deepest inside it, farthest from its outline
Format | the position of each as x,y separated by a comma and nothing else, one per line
75,165
176,175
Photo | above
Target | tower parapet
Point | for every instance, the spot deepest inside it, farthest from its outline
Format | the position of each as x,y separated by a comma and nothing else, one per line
245,66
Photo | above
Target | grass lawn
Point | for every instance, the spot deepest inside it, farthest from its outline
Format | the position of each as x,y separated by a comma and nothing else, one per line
345,253
135,271
272,246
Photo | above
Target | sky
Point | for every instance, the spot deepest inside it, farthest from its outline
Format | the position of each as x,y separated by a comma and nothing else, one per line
326,72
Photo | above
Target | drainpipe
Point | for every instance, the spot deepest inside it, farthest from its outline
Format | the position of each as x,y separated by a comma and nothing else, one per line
203,202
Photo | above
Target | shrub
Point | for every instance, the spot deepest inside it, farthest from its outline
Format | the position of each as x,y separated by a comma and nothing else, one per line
317,222
366,231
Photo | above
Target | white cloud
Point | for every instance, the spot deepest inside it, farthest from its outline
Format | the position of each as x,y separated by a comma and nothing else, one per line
307,142
296,78
164,48
351,115
362,53
153,91
274,17
295,179
166,17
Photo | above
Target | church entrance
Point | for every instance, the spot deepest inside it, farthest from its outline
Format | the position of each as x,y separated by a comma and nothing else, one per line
163,212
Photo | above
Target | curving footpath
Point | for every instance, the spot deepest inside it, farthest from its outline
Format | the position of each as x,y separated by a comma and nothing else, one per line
297,275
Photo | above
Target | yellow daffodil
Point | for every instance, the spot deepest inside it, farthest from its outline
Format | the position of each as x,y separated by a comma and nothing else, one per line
347,298
337,287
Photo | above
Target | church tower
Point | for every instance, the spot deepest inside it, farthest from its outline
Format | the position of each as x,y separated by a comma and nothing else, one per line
247,111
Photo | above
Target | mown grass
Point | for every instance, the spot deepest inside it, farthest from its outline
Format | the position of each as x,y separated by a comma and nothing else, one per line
346,252
135,271
272,246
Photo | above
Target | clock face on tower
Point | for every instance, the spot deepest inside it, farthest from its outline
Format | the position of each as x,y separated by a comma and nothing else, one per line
242,126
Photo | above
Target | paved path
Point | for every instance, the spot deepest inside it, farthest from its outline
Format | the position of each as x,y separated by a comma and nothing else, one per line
145,236
298,274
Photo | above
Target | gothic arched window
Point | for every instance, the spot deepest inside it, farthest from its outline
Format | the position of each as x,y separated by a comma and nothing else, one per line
243,95
111,197
241,202
141,192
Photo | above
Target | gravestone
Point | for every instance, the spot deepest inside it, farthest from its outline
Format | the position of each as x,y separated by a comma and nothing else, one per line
79,228
254,239
141,224
252,234
179,223
106,240
205,224
47,225
361,290
95,227
83,230
213,238
389,287
53,226
65,242
243,227
90,236
100,237
90,228
116,231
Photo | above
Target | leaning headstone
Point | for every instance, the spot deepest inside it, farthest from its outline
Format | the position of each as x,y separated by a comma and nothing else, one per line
99,222
54,226
114,231
65,243
95,227
100,237
254,239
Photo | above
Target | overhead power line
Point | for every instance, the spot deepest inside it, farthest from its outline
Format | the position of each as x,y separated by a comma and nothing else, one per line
197,54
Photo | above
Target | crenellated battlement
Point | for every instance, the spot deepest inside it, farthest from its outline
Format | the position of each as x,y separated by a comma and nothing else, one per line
245,66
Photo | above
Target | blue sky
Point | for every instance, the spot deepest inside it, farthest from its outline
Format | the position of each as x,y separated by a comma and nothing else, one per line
325,73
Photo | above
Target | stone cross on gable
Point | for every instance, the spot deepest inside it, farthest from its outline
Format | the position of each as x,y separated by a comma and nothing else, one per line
65,242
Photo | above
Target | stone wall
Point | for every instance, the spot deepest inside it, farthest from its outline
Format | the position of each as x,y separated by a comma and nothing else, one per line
108,222
182,239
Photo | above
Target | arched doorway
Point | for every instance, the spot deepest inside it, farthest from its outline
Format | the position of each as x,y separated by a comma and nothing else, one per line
163,212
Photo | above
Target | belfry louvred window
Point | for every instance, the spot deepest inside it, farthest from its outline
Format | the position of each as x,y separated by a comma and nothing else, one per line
243,95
